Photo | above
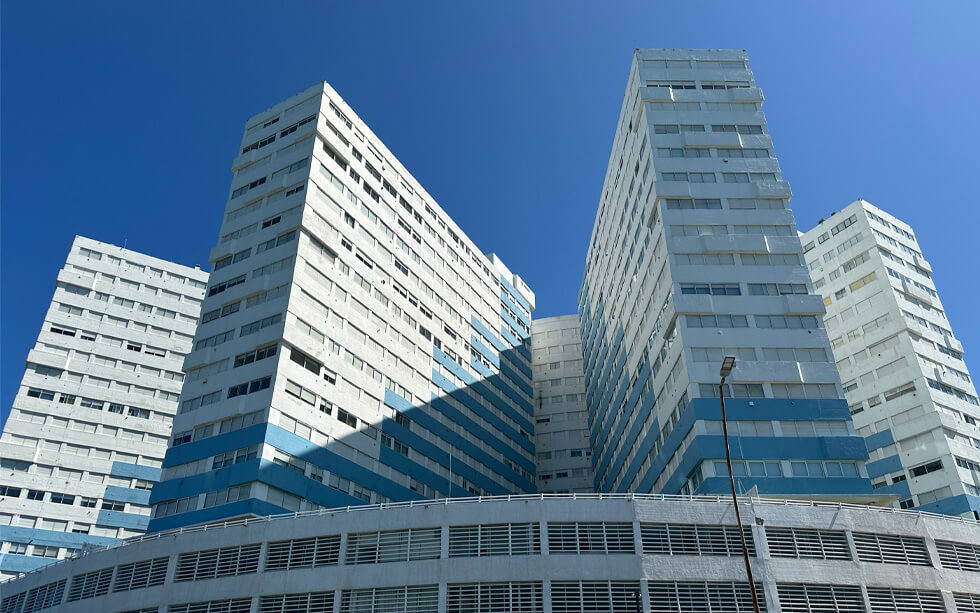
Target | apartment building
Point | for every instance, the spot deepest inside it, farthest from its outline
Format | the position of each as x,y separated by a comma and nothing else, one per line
908,387
355,346
89,426
561,438
694,256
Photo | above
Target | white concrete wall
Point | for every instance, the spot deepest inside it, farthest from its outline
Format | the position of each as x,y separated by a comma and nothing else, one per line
887,334
561,438
126,321
548,568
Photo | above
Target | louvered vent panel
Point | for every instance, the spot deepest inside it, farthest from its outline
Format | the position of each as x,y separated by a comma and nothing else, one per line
704,597
500,597
966,603
303,553
696,540
820,598
894,600
578,596
807,543
891,549
312,602
961,556
90,585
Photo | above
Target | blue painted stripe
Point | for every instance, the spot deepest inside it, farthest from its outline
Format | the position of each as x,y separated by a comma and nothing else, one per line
53,538
253,470
211,446
515,378
487,334
510,338
119,519
485,351
250,506
497,382
954,505
135,471
513,292
308,451
785,486
433,452
884,466
13,563
509,303
755,448
516,326
460,396
900,489
879,439
126,494
642,413
478,387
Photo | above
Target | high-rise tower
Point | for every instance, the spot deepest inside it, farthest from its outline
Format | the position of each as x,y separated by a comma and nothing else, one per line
695,256
562,430
354,347
89,425
903,373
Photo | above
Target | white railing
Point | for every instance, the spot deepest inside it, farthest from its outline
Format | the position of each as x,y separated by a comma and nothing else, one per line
508,498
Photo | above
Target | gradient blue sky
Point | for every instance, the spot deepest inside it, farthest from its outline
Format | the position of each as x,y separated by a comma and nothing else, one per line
120,120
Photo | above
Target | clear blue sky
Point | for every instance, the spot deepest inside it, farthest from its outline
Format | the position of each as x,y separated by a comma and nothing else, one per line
120,120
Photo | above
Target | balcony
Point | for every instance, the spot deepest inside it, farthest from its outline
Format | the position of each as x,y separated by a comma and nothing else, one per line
922,264
917,293
954,344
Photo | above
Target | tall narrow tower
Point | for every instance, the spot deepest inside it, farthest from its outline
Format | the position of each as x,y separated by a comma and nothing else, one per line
562,435
695,256
355,346
907,385
89,426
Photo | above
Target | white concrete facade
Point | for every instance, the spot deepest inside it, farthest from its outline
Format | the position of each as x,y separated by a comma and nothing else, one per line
531,554
561,436
355,345
89,426
908,387
694,256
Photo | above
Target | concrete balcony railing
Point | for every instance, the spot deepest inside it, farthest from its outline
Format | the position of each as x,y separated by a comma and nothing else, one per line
922,264
917,293
954,344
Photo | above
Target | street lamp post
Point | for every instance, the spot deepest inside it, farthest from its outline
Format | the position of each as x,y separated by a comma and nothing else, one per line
726,369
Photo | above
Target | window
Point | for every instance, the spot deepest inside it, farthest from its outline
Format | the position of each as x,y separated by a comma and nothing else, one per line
57,498
305,361
255,355
346,418
713,289
918,471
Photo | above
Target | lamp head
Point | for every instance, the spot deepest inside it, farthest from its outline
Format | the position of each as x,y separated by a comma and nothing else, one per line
727,365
